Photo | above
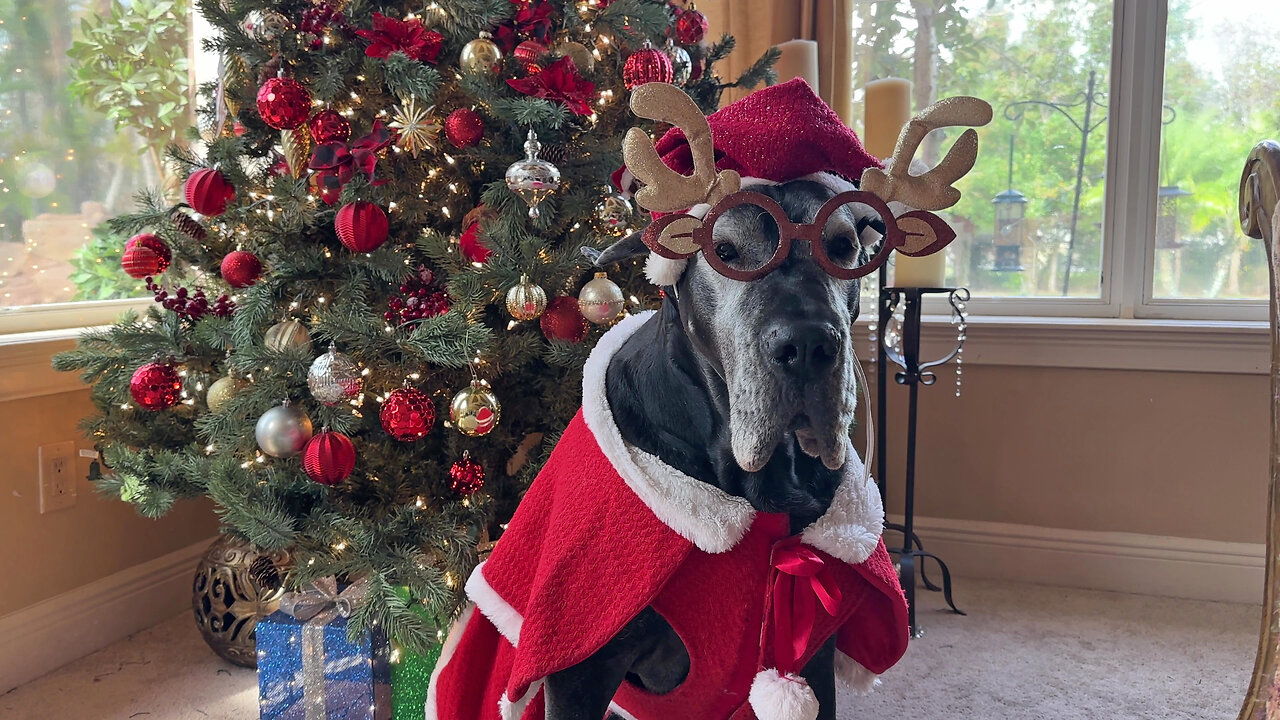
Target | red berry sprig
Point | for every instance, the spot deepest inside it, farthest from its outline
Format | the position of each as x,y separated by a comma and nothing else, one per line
421,297
192,306
319,18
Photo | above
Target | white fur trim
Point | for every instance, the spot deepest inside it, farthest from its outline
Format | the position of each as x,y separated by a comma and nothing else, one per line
504,617
446,654
851,528
664,272
853,674
701,513
774,697
622,714
514,709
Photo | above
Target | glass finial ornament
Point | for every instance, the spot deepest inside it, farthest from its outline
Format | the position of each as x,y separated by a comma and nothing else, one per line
475,410
334,377
526,299
601,300
532,178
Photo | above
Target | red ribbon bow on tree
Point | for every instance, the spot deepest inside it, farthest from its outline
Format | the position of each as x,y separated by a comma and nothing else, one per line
337,162
802,583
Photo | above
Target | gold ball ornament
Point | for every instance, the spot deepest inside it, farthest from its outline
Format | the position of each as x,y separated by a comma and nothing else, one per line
526,300
601,300
578,53
481,56
229,601
475,410
286,335
222,390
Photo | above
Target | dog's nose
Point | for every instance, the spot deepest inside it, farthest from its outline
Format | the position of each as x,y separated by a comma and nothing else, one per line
803,350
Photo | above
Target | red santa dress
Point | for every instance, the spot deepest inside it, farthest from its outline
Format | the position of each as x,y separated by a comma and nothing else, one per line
606,530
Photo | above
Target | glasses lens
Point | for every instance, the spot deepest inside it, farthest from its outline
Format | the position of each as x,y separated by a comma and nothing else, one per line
744,238
852,234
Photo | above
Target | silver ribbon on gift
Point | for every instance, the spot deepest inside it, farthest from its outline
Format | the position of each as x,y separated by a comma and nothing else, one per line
316,607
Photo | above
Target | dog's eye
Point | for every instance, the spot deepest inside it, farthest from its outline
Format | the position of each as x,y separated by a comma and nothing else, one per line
841,249
726,251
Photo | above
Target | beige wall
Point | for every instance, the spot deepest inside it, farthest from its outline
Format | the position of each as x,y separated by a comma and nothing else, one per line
45,555
1161,453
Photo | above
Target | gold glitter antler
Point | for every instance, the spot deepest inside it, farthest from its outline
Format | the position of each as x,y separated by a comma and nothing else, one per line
934,189
665,189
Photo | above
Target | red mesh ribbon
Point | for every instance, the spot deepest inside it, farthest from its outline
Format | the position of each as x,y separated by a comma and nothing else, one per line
802,583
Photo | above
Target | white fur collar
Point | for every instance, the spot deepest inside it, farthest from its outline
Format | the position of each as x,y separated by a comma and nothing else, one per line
703,514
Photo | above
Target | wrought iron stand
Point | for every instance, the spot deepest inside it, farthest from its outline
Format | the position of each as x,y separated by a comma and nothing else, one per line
913,374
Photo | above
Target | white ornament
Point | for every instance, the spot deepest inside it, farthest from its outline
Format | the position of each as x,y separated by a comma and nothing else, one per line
601,300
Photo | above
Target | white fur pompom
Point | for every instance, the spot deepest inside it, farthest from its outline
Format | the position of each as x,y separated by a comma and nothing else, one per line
777,697
857,677
663,272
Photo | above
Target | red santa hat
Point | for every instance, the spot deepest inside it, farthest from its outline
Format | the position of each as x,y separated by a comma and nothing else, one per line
774,135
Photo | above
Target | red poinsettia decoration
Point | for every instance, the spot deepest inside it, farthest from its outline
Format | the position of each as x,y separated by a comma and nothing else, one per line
336,162
532,20
407,36
559,82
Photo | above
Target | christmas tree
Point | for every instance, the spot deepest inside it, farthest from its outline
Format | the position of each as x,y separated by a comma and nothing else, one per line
366,335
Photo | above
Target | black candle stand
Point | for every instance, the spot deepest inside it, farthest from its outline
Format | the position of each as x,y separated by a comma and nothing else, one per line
913,374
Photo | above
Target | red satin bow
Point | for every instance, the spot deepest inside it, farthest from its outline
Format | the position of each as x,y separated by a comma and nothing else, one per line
336,162
802,582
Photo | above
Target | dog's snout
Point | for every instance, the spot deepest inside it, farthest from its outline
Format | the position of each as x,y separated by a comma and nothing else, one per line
803,350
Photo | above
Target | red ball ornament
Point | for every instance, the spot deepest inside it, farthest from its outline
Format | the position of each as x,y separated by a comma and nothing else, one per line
528,53
328,458
207,191
408,414
472,248
241,268
464,127
466,476
646,65
283,103
145,254
562,321
329,126
361,226
691,27
155,386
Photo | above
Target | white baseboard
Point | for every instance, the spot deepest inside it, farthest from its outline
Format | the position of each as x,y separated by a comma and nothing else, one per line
54,632
1123,562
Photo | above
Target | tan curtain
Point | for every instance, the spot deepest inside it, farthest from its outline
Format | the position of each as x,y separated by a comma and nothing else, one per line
761,24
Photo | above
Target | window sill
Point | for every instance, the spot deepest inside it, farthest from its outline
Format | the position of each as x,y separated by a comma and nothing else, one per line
1232,347
26,364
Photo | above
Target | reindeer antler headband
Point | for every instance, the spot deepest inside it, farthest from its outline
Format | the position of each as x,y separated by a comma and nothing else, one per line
680,235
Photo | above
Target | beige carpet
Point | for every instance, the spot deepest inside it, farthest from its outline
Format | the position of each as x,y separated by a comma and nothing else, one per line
1024,652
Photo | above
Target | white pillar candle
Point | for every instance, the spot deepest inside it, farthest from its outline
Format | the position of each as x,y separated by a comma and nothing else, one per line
799,59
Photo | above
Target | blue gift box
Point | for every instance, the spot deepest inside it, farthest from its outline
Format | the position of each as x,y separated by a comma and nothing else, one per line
308,670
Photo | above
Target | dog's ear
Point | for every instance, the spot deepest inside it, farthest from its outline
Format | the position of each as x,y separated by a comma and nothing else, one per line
628,247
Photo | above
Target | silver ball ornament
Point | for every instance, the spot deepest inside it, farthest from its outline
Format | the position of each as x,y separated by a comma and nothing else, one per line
334,377
265,26
283,430
681,63
532,178
601,300
615,211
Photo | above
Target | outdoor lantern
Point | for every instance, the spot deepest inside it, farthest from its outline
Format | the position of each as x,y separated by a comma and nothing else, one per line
1168,229
1011,230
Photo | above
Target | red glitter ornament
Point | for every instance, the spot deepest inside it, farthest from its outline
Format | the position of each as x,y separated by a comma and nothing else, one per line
329,126
473,249
464,127
646,65
155,386
421,297
329,457
562,321
691,26
408,414
466,476
283,103
241,268
528,53
361,226
145,254
207,191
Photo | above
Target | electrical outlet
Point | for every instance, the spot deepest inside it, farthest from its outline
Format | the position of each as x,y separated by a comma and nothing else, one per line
57,476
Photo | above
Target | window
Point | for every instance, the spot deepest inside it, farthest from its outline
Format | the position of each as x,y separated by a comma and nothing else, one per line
1095,193
92,94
